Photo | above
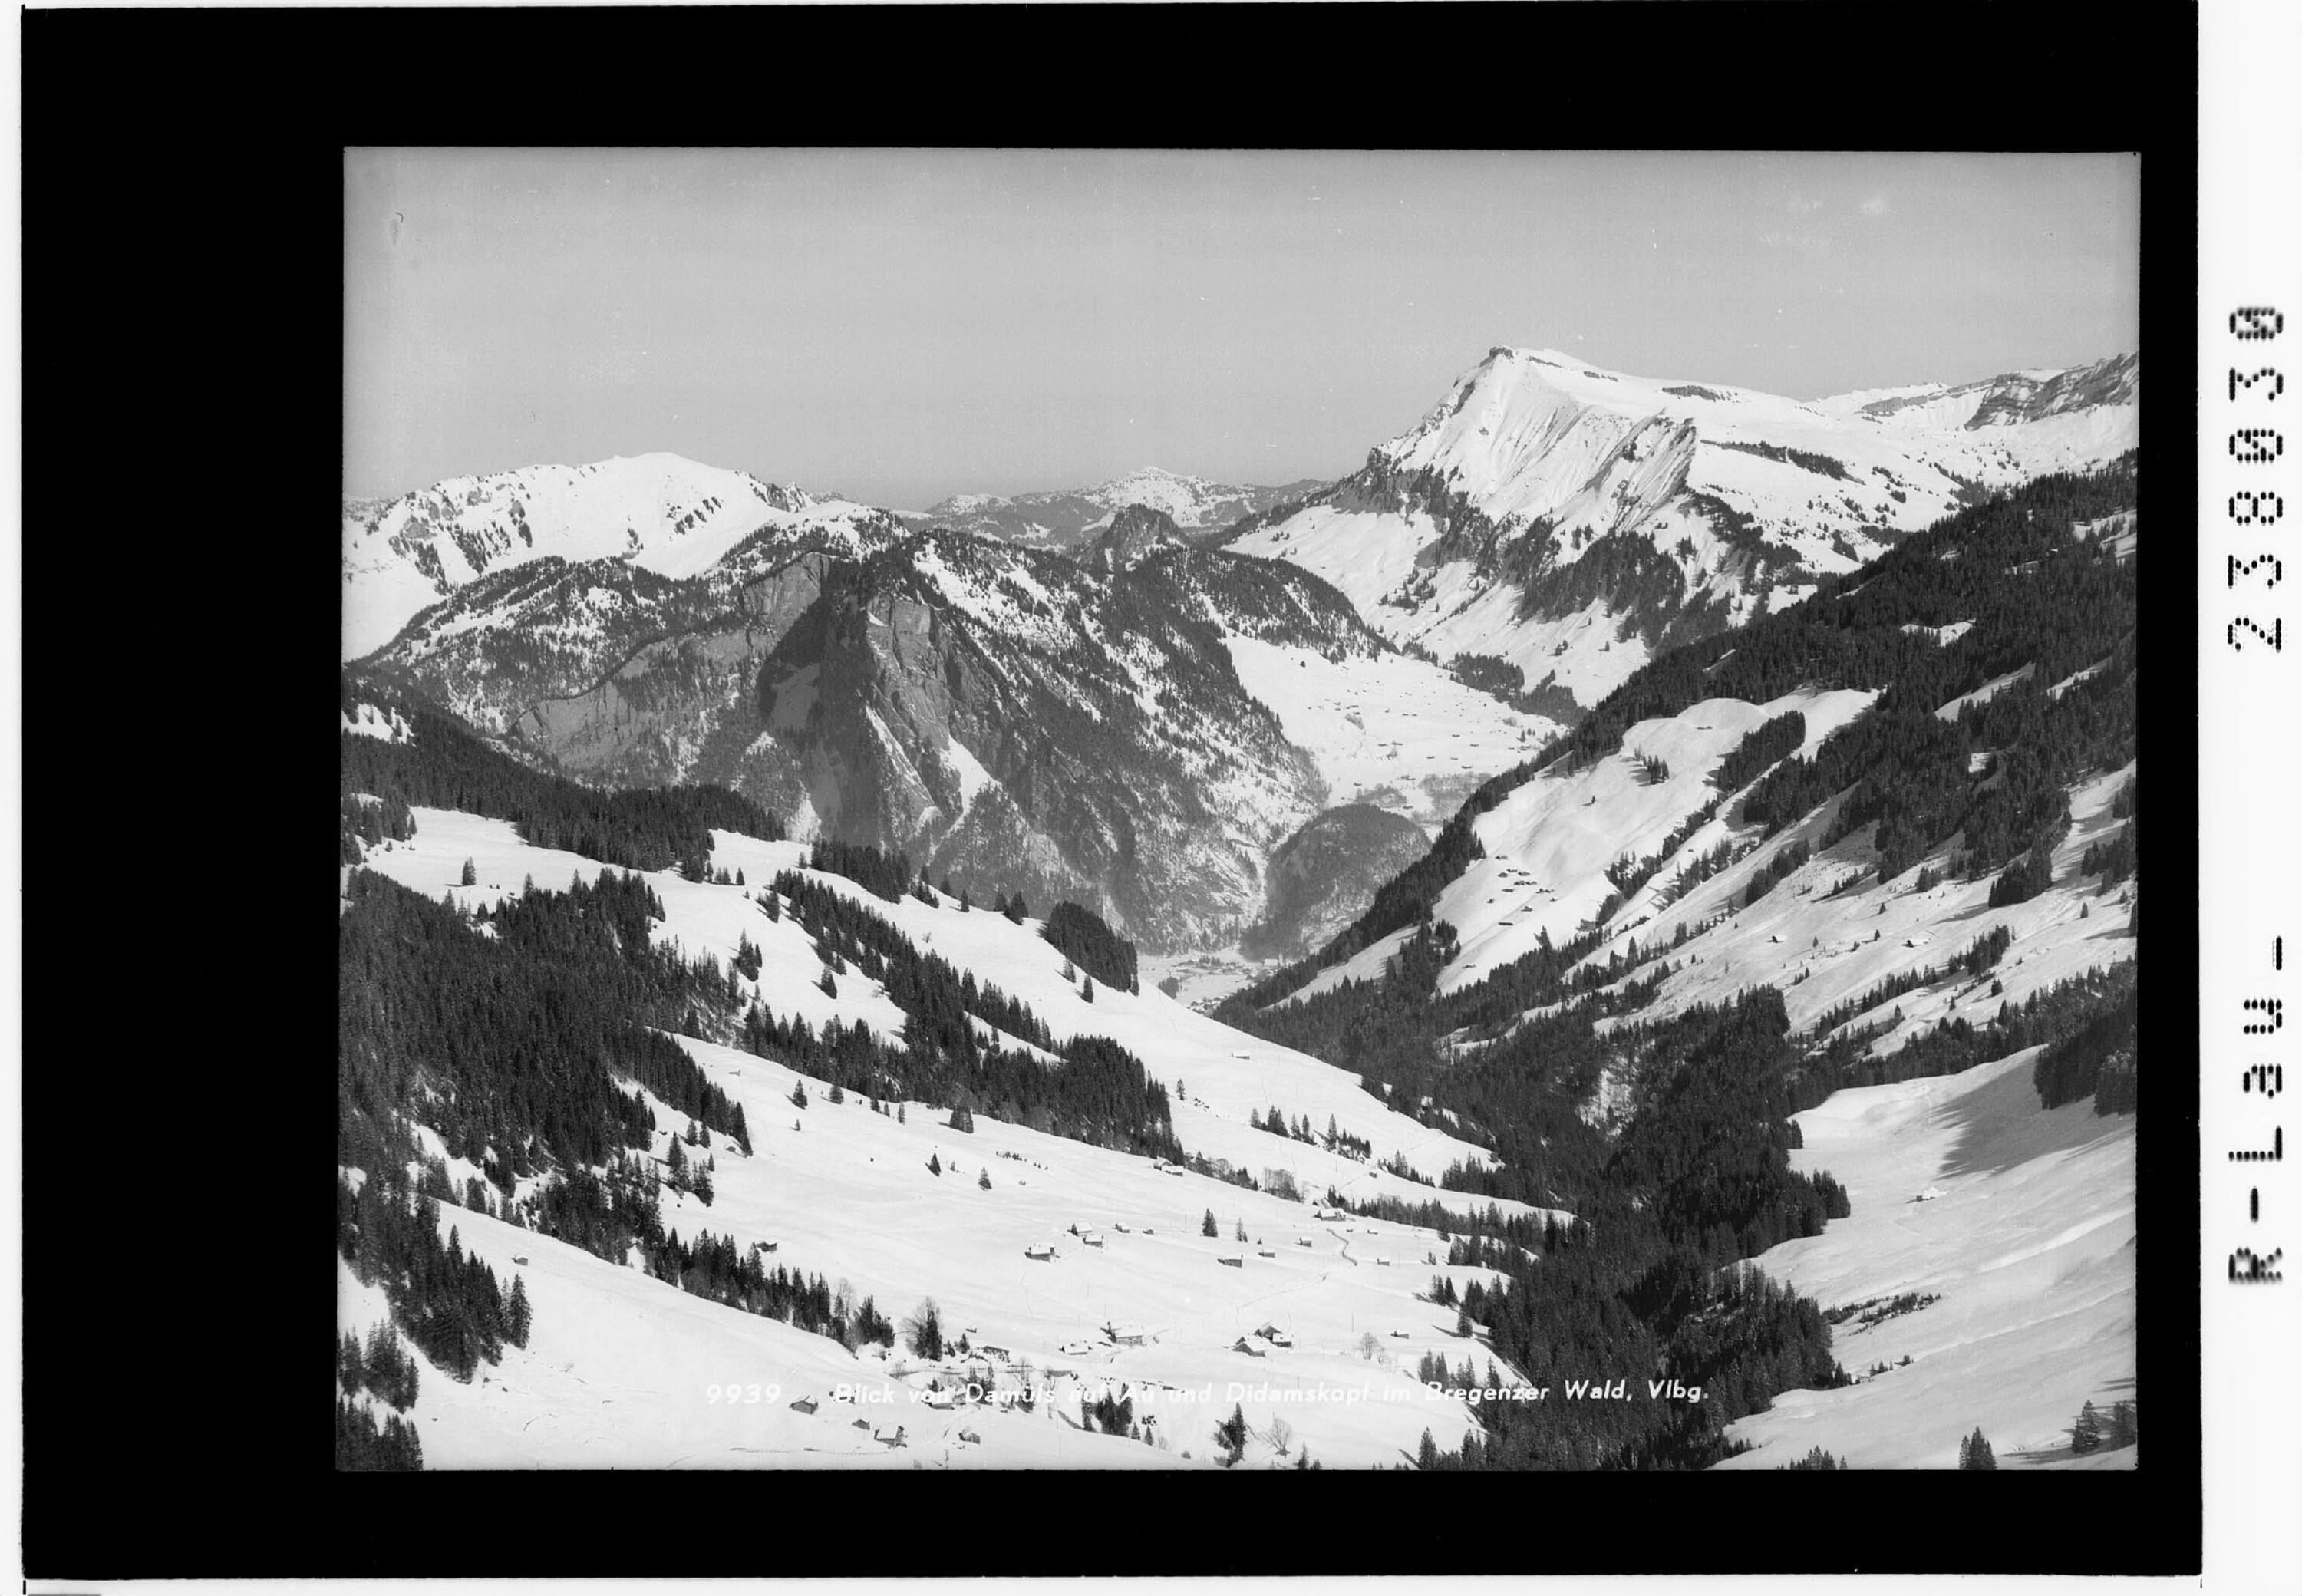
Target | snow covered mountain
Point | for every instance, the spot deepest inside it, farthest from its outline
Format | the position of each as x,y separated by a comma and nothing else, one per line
1573,522
1134,726
1065,518
1889,831
661,513
1839,905
1015,720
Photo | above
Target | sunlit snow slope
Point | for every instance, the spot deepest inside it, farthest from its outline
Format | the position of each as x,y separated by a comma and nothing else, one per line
2027,1244
1696,504
662,513
618,1368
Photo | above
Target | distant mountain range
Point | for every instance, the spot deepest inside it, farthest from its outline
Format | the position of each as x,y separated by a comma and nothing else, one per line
1123,713
1808,945
1065,518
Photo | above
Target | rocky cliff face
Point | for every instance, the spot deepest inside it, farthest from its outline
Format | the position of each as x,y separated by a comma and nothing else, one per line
1135,534
1019,721
1321,879
1573,522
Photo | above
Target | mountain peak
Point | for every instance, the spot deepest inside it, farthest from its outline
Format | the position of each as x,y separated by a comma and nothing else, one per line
1136,532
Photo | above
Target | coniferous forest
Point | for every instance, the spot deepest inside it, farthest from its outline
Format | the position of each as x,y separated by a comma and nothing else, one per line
1698,1177
2039,596
1101,1093
1103,953
442,765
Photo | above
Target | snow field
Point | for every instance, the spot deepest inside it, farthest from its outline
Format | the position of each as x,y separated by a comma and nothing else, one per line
1548,844
618,1367
1388,730
1844,945
2028,1247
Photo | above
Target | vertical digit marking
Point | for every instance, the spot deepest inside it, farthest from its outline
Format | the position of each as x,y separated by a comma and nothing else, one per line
2256,322
2277,382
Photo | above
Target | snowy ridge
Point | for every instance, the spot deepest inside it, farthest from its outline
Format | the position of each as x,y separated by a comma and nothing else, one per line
659,512
1463,533
1065,519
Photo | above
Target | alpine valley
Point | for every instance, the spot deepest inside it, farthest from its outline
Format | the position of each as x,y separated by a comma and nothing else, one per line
1656,860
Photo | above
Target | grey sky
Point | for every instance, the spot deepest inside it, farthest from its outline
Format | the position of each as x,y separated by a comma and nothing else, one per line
903,325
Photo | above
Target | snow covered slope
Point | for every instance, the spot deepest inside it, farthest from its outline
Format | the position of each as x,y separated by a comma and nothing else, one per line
1572,521
2026,1246
1548,844
619,1370
1387,729
1227,1075
659,512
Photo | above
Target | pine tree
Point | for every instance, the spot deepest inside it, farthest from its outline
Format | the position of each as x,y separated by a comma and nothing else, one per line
1087,988
2121,1423
1207,1224
934,1165
836,1095
2086,1435
799,1094
518,1316
899,1113
1232,1435
471,875
983,1180
1974,1452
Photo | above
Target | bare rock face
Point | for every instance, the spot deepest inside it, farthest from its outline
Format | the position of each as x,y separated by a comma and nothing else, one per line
1017,721
1135,535
1320,879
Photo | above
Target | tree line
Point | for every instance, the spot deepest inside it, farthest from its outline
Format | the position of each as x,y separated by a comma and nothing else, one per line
444,765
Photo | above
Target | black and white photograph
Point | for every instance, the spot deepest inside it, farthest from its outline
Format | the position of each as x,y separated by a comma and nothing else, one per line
1341,809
